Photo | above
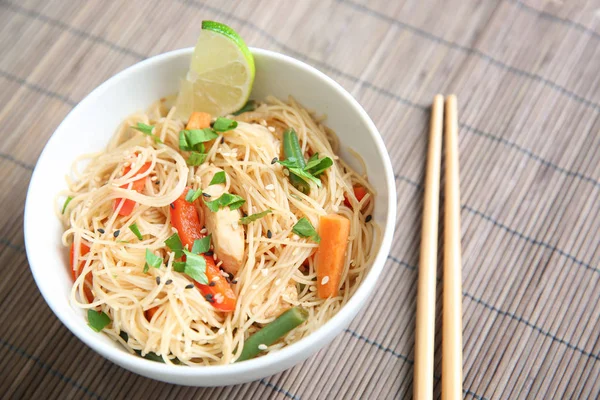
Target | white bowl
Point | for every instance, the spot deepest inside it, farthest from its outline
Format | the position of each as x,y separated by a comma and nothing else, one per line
88,128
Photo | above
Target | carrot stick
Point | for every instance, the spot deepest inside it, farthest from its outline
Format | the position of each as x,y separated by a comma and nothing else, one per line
198,120
334,231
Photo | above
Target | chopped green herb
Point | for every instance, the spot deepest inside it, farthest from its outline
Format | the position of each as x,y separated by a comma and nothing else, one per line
201,245
290,162
196,158
152,260
174,243
310,172
249,106
193,139
305,229
195,267
97,320
179,266
136,231
312,158
254,217
218,178
147,130
306,176
233,201
316,166
67,201
183,144
224,124
192,195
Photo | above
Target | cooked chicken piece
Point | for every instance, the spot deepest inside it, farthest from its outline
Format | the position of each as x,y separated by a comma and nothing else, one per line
227,233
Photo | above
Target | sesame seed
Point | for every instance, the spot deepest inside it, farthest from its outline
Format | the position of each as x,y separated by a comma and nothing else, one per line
223,273
263,122
324,280
100,230
203,231
262,346
221,331
212,283
270,186
190,286
269,234
169,281
172,206
219,264
205,194
271,129
274,160
116,233
215,278
154,178
209,253
234,281
158,280
369,218
215,257
312,288
219,298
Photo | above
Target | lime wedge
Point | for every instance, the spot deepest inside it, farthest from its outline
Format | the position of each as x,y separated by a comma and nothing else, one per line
221,73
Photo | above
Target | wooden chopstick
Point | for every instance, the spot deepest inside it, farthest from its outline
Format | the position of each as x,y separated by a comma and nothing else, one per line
425,332
452,317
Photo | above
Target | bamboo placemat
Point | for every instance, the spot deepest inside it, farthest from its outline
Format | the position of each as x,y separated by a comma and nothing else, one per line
526,75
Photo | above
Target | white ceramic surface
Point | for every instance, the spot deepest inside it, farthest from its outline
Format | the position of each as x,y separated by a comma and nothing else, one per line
88,128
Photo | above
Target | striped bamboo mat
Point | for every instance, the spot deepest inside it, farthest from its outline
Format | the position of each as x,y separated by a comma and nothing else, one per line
526,75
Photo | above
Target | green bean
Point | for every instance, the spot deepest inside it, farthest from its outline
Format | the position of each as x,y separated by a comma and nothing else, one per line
291,149
273,332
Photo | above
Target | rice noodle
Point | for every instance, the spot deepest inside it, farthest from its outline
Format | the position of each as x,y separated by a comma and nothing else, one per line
186,327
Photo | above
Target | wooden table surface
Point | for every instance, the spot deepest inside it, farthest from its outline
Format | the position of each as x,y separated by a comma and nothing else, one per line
527,78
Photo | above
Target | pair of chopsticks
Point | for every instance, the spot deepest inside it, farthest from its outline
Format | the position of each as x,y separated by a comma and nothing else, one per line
452,306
